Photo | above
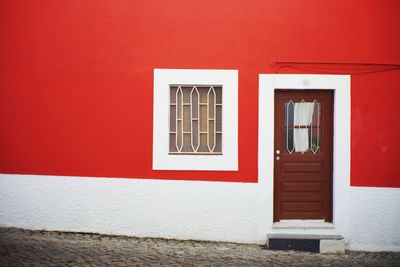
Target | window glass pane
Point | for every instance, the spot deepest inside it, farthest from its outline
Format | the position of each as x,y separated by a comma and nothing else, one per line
211,135
315,142
187,147
186,94
179,141
203,143
195,103
288,133
302,126
219,118
218,92
315,128
203,118
289,106
289,139
172,118
179,103
172,140
173,94
195,135
186,118
203,93
218,146
211,103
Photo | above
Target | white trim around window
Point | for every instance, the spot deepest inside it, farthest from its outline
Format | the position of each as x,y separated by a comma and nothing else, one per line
162,160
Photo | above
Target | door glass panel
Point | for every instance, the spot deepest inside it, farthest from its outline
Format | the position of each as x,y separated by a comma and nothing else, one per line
315,129
289,112
302,127
289,140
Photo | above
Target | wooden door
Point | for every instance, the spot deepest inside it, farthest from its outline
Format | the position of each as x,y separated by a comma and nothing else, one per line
303,169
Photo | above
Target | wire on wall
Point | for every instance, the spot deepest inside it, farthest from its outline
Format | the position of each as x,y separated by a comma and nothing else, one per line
353,68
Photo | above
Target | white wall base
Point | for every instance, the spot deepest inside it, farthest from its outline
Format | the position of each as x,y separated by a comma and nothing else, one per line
374,219
137,207
234,212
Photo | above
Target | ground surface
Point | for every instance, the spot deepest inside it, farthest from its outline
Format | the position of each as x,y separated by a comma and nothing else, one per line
23,247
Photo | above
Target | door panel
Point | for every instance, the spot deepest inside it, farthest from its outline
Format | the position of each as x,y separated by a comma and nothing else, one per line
302,167
301,187
303,154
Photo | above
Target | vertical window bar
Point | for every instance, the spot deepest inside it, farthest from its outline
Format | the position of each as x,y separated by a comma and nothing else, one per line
179,107
211,90
176,119
215,118
194,90
198,119
207,120
191,119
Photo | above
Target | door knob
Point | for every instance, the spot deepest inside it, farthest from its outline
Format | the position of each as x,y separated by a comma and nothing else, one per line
278,158
278,152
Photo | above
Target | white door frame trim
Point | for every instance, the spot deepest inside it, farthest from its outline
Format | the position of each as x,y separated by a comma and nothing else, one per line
341,136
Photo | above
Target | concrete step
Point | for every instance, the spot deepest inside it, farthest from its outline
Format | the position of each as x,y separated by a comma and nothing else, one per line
311,243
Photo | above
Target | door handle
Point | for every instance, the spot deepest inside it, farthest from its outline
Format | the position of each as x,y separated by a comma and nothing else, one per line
278,152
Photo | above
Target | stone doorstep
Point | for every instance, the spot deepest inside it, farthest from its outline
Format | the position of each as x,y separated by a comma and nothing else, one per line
332,244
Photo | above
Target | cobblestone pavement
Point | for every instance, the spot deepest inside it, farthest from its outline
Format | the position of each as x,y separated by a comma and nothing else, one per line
26,248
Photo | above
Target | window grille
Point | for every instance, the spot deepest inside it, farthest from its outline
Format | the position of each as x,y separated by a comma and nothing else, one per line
195,118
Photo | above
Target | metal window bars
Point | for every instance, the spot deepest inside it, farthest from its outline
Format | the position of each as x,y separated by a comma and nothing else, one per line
195,119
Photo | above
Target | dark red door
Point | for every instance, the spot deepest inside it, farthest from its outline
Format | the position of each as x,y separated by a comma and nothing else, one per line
303,154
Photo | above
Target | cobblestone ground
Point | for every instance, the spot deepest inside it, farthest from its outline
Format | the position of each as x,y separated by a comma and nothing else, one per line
26,248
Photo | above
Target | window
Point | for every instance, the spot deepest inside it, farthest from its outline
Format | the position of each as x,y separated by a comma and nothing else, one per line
302,126
195,119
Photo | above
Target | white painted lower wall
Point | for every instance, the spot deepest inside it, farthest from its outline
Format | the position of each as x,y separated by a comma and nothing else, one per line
374,218
235,212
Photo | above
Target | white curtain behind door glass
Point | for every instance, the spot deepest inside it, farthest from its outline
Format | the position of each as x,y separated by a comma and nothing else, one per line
303,113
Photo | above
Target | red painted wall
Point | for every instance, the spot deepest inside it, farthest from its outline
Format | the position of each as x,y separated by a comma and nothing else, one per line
76,77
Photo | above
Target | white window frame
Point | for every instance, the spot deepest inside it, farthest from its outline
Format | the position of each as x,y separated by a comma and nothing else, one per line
162,160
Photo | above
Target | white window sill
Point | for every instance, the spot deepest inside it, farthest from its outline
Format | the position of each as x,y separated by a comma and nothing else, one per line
302,224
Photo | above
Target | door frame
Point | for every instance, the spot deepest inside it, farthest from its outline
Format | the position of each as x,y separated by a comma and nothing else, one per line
340,84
